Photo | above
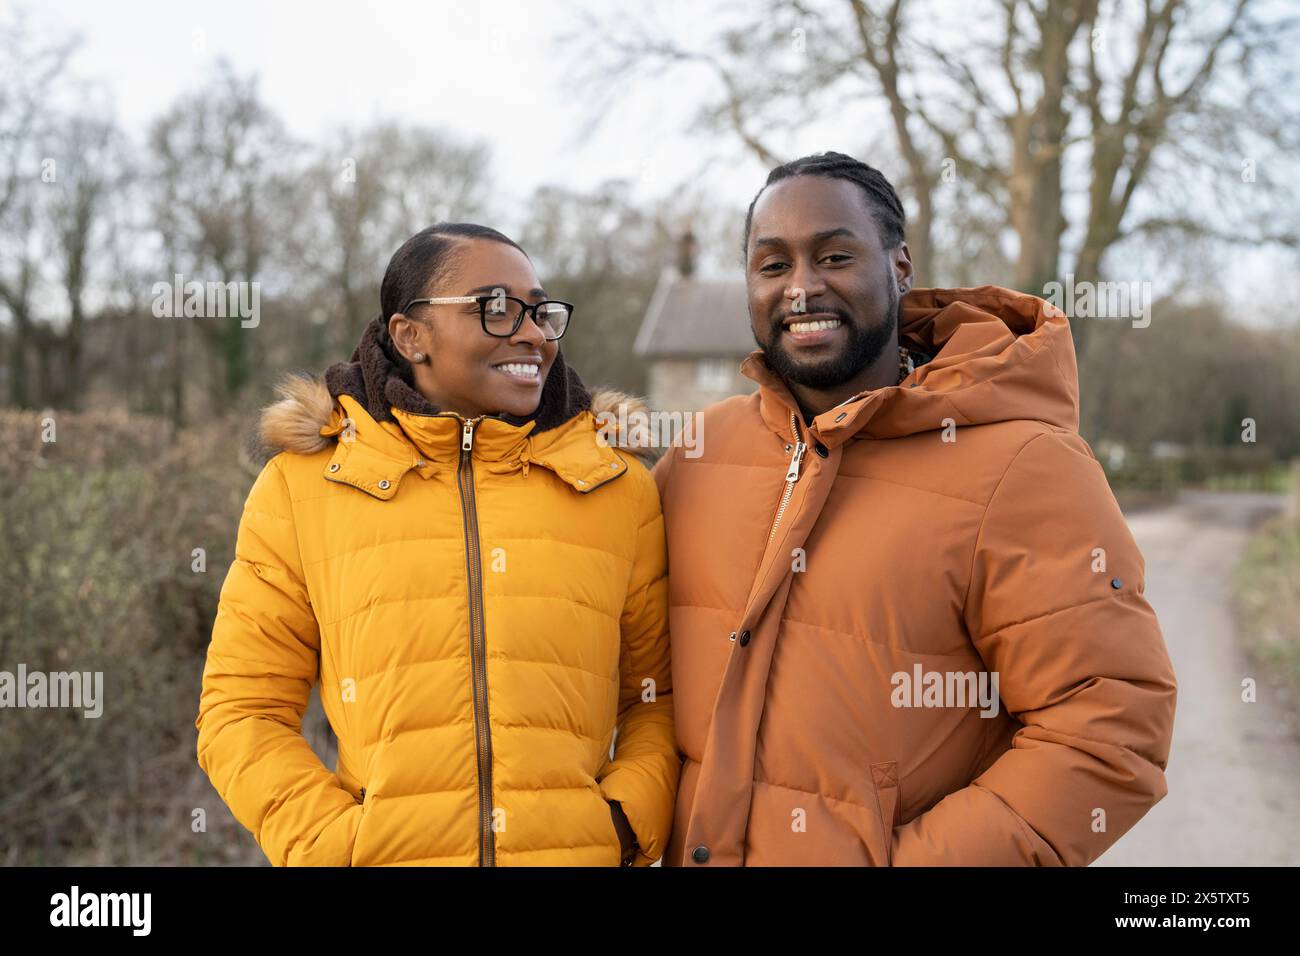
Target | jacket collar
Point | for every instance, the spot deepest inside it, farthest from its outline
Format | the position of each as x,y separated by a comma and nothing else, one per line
998,355
375,457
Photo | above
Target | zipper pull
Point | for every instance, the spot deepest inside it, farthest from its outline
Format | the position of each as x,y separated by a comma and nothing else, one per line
467,437
795,460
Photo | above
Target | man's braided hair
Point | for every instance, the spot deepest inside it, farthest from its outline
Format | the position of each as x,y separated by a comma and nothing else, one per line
883,202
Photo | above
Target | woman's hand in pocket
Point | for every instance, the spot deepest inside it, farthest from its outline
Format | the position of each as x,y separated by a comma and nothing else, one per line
626,835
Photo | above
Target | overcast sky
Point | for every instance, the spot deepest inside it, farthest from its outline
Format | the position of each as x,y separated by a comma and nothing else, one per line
490,69
487,69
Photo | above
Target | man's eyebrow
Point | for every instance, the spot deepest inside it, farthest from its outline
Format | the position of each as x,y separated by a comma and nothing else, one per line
835,234
822,236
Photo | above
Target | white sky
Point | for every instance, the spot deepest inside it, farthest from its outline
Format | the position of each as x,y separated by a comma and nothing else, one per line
327,63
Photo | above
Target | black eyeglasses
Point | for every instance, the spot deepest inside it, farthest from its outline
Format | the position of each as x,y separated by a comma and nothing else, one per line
502,320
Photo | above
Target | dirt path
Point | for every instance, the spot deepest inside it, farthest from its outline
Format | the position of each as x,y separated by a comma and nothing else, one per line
1234,770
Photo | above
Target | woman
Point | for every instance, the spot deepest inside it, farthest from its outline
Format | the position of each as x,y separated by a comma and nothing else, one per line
476,577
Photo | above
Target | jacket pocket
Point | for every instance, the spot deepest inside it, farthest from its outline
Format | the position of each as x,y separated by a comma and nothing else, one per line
884,777
366,798
361,823
612,840
616,842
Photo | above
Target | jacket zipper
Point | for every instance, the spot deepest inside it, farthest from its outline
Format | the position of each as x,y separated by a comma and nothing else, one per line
791,476
478,649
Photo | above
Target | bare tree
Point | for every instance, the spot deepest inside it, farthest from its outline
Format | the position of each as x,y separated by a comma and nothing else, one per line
30,68
90,172
364,192
1037,107
220,157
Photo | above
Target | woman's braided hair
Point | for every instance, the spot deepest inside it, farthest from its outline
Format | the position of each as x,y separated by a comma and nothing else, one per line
886,210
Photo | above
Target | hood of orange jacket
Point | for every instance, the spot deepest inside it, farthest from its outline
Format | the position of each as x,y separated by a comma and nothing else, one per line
998,356
912,632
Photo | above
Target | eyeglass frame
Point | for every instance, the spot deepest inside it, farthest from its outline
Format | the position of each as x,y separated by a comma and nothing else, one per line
482,300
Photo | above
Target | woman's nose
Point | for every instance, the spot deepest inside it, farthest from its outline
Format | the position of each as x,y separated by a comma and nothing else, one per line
529,331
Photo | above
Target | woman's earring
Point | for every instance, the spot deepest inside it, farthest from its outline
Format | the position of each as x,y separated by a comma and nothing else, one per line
418,357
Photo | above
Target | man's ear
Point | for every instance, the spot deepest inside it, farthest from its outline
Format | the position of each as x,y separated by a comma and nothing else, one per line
903,268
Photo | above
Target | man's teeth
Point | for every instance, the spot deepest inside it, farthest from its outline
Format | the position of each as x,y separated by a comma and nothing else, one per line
817,326
523,370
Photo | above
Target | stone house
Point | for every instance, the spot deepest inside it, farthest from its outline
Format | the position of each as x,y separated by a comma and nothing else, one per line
694,336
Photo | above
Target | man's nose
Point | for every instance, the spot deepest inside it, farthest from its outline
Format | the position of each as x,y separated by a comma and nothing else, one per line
805,282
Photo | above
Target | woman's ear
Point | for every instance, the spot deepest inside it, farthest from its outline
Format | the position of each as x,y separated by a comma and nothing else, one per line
406,335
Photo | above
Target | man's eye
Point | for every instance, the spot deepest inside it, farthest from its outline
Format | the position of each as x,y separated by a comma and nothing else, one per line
771,266
836,257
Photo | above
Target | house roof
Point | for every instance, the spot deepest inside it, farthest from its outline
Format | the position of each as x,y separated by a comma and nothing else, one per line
696,317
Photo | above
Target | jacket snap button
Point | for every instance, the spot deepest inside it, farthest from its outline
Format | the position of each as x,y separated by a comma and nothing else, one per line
334,466
732,637
1116,583
700,854
383,484
744,638
821,450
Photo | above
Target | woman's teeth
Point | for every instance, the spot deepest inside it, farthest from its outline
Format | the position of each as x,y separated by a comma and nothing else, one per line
518,370
817,326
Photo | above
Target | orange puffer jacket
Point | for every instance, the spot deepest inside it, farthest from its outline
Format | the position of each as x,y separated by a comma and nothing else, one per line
842,596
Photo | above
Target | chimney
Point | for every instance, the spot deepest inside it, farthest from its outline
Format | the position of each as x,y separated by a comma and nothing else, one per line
686,248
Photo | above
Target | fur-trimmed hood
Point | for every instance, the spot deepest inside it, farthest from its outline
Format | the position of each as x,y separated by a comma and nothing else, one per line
305,409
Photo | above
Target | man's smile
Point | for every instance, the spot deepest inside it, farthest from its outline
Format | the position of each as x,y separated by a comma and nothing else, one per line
812,329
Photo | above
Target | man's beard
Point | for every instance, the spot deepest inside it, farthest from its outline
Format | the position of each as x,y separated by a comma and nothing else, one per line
864,347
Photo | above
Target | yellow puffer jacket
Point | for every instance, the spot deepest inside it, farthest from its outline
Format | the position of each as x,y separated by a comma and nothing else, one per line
482,606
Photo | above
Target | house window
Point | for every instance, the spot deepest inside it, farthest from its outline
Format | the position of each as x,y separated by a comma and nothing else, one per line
713,375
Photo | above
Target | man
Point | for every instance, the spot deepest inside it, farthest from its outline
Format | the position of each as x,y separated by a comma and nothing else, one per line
907,615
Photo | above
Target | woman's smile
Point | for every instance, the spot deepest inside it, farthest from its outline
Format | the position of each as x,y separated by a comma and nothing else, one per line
525,372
